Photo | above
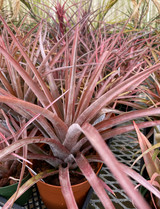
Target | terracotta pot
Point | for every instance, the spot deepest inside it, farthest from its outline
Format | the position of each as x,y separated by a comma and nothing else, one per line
53,198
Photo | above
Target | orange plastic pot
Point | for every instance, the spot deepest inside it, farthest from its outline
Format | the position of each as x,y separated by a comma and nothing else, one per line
53,198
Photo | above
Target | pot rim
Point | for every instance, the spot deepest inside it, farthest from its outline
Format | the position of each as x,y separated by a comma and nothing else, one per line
75,185
12,185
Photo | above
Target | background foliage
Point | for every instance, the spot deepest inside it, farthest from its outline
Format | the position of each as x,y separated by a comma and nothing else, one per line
114,11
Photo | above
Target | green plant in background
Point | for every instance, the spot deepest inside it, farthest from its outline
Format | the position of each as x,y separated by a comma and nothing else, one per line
108,9
60,84
103,8
16,10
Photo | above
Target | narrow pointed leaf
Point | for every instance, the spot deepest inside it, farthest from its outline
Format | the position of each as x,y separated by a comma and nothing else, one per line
72,80
149,162
59,150
94,181
109,96
27,185
115,167
141,180
59,125
66,188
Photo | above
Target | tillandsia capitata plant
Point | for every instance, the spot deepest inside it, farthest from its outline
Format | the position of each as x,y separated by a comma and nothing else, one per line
62,90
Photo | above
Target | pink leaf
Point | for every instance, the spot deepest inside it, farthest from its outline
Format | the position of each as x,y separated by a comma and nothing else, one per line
93,180
115,167
27,185
149,162
141,180
106,187
127,85
66,188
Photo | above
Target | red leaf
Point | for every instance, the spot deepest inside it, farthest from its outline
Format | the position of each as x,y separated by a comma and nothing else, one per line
66,188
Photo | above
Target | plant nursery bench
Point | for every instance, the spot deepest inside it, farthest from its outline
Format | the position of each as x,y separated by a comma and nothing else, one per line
124,148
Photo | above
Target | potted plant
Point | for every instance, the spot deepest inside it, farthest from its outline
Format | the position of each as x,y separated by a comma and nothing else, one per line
64,88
